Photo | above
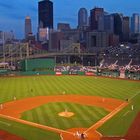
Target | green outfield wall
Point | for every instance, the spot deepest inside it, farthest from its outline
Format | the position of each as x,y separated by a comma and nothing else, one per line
37,65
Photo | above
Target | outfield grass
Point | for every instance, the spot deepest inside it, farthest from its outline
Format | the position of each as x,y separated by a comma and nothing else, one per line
55,85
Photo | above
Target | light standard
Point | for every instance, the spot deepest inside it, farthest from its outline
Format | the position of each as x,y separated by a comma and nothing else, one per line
3,47
61,62
88,63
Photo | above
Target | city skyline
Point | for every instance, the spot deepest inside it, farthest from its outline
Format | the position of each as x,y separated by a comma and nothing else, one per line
14,20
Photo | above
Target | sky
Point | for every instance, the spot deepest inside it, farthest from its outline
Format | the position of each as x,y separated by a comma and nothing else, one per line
13,12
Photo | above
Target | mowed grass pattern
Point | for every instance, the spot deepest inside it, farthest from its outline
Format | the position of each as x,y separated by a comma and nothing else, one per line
84,116
120,123
24,87
27,132
54,85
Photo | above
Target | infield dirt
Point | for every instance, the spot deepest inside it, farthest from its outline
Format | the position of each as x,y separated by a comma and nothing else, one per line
14,109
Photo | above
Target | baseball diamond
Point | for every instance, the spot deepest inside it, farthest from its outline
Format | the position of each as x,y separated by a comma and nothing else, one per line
30,107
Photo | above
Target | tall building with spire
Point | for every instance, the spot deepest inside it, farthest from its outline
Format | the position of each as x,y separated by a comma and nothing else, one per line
28,26
82,18
45,14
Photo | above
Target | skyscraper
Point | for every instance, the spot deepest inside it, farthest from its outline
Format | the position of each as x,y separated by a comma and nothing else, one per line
94,17
106,23
82,17
135,23
28,26
126,28
118,25
45,14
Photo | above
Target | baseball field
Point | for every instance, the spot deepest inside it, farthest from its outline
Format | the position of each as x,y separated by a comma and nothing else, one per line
57,107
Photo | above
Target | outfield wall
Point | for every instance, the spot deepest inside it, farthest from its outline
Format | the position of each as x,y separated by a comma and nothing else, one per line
37,64
133,76
109,74
28,73
4,71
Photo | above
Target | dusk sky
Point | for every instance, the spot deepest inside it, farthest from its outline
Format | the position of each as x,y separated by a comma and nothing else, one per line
13,12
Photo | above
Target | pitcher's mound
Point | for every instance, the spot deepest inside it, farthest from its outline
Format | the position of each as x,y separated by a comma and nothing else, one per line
66,114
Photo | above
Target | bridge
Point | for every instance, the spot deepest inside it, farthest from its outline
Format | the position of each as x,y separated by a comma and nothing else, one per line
16,52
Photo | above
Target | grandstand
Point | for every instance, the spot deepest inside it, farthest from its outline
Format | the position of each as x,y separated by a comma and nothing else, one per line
23,56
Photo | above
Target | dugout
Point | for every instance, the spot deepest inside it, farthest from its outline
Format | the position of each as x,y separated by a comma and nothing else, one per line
46,64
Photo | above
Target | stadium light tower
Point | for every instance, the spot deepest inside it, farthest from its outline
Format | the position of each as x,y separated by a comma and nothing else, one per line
3,42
